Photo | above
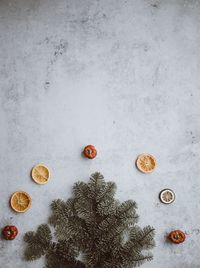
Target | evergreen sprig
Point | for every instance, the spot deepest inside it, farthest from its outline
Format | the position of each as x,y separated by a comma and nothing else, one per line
92,230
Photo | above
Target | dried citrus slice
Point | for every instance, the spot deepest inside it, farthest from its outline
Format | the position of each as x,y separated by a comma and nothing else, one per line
20,201
146,163
40,174
167,196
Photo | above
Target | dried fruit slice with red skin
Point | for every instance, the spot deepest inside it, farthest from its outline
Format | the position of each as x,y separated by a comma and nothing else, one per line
177,236
90,151
9,232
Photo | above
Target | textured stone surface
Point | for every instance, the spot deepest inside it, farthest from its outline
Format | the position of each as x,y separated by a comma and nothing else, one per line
122,75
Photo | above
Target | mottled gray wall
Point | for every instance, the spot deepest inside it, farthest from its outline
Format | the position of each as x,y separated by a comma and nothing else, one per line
123,75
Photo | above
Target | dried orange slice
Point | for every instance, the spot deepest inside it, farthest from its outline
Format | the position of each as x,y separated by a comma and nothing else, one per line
20,201
167,196
146,163
40,174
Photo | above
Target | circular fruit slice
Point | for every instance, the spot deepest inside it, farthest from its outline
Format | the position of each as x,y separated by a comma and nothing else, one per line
20,201
40,174
90,151
146,163
167,196
9,232
177,236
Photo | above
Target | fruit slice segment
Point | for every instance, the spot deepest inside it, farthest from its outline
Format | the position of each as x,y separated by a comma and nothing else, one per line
40,174
167,196
146,163
20,201
177,236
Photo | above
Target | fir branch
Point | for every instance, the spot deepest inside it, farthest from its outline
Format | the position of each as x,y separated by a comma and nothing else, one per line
38,242
94,223
108,192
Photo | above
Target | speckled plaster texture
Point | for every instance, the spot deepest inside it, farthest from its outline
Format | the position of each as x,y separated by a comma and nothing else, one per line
123,75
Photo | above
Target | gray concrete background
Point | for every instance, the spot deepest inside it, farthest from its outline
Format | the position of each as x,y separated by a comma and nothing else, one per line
122,75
